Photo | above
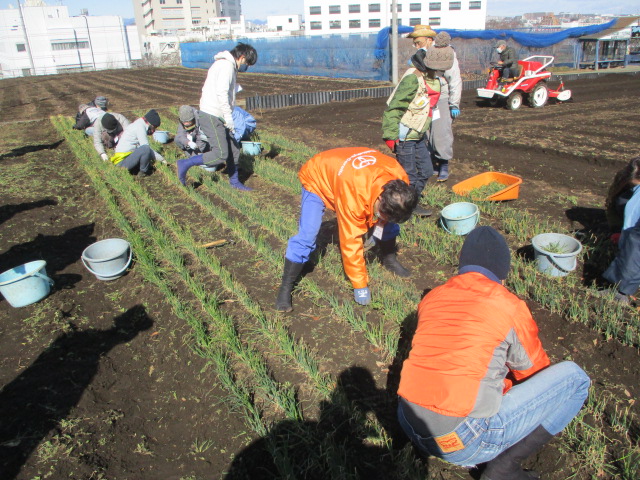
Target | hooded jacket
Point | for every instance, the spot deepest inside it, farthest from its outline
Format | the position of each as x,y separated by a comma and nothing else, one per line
349,181
473,339
99,130
219,89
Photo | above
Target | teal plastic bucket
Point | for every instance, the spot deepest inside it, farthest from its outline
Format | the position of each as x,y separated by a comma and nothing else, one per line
460,218
556,254
25,284
107,259
252,148
161,136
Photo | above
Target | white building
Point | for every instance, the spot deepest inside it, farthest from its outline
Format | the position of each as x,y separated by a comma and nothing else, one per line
355,16
284,23
37,39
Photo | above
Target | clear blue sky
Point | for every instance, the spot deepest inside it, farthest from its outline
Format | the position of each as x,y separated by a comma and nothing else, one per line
259,9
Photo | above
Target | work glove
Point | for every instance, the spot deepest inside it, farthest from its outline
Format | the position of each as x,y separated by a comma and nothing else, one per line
362,296
455,112
104,157
391,144
192,145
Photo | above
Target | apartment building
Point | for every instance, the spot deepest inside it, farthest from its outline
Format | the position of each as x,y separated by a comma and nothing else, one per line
175,17
348,16
38,39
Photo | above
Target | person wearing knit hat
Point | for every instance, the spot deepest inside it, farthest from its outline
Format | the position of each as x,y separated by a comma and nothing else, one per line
107,132
407,119
477,386
133,151
101,102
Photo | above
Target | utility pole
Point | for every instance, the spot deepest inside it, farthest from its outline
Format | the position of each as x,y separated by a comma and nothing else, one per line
394,42
26,39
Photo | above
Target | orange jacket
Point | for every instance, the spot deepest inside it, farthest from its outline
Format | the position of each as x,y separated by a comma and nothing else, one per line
349,181
472,332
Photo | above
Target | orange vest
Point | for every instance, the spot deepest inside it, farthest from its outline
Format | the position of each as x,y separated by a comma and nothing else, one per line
471,333
349,181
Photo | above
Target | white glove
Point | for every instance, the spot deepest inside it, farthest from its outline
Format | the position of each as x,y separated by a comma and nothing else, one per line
192,145
104,157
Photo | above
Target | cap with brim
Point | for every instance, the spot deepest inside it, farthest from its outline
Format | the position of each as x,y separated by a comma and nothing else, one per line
501,43
185,113
422,31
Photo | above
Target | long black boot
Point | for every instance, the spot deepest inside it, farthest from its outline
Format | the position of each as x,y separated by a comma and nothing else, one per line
289,276
508,465
389,259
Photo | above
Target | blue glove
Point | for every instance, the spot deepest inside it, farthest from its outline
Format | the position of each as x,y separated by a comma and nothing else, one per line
362,295
455,112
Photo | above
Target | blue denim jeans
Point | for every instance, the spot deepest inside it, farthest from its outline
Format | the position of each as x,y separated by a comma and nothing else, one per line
550,398
415,158
312,208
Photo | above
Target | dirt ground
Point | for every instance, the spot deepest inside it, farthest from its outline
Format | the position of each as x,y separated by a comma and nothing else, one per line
99,380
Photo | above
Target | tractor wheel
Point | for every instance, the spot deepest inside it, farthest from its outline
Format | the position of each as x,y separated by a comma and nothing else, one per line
539,96
514,100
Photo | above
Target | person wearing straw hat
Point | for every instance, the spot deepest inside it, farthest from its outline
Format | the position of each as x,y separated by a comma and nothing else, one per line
407,119
477,386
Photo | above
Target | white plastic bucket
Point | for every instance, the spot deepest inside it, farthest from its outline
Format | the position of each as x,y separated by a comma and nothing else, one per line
25,284
460,218
107,259
556,264
161,136
252,148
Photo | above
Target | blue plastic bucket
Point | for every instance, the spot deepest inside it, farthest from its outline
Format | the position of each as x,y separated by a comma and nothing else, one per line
161,136
460,218
564,257
107,259
25,284
252,148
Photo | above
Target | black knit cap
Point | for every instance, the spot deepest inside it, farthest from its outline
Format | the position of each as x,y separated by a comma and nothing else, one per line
485,247
109,122
152,117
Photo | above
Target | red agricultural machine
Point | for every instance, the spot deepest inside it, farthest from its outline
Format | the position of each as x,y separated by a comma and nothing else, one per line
530,84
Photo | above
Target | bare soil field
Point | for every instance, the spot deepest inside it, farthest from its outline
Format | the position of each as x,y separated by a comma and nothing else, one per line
181,369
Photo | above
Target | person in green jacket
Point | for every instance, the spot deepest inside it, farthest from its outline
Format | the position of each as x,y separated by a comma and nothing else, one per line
410,109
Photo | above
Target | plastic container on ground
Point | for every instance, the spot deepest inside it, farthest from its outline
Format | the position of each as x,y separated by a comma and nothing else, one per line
556,254
25,284
459,218
252,148
510,192
161,136
107,259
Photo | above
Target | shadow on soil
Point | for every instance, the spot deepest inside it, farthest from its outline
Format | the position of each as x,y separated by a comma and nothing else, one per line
54,383
337,444
8,211
20,151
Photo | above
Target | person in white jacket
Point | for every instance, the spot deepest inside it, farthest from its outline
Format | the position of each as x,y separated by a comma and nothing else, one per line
216,106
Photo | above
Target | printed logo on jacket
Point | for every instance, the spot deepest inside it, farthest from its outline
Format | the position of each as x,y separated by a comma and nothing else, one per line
359,161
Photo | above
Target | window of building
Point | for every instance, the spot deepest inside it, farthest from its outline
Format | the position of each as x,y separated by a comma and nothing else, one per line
69,45
455,5
291,20
335,24
415,7
475,5
434,21
415,21
354,8
315,25
21,47
374,23
278,28
315,10
354,23
374,7
179,2
435,6
195,22
334,8
398,6
162,2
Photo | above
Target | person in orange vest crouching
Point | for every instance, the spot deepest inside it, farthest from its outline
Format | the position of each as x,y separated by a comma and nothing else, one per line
367,190
477,386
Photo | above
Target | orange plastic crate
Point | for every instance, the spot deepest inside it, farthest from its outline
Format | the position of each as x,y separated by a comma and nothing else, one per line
510,192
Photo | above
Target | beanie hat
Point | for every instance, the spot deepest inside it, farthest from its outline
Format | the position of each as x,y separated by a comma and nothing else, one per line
152,118
501,43
185,113
422,31
486,248
439,58
101,102
443,39
109,122
418,60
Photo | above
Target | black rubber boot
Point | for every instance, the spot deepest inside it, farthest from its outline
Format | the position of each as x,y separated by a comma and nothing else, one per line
508,465
389,259
289,276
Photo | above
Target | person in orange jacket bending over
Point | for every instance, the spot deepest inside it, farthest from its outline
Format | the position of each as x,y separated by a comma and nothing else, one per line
366,189
477,386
